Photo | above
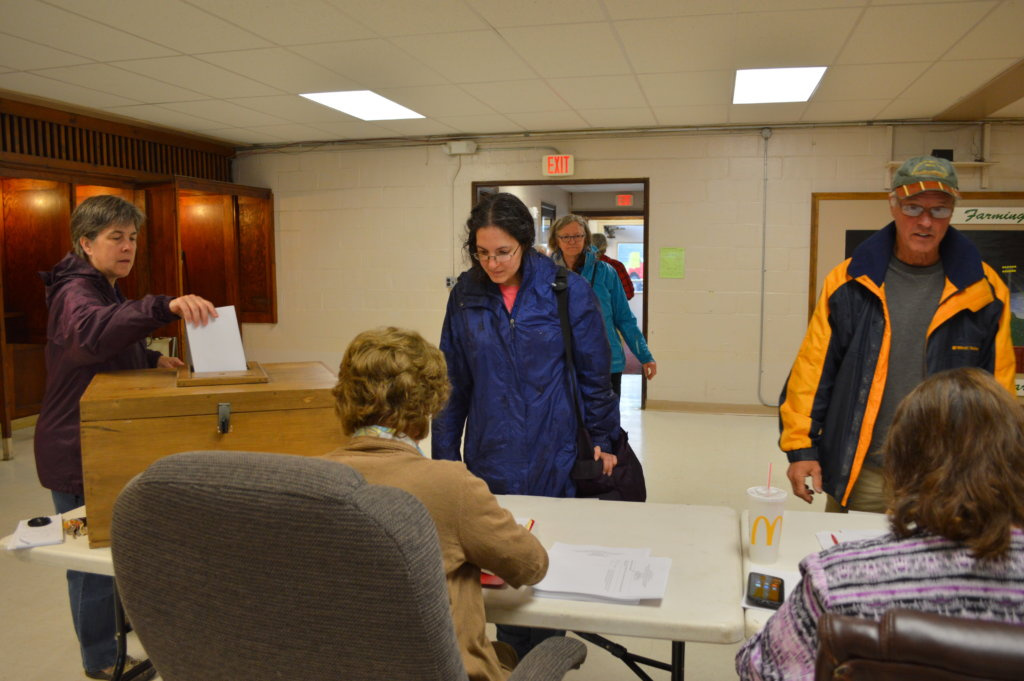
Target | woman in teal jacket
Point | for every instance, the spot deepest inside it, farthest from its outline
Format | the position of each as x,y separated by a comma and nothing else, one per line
569,246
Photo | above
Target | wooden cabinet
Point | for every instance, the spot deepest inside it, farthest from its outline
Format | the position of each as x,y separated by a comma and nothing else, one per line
213,239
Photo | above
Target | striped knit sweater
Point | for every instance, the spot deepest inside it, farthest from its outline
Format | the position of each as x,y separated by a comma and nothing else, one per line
866,578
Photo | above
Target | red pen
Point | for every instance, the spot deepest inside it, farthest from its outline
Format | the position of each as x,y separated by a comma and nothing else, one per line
834,540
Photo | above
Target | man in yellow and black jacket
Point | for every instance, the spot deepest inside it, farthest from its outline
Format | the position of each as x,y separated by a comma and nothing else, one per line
914,299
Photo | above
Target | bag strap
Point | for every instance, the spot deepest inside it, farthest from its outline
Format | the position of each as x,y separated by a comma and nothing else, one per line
561,287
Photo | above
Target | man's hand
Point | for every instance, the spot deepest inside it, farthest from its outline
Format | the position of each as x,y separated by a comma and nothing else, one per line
798,472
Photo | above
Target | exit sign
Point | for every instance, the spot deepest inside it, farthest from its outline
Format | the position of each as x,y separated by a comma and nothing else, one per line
623,199
562,164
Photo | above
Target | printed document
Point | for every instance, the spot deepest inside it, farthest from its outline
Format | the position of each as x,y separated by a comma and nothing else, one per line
603,573
218,345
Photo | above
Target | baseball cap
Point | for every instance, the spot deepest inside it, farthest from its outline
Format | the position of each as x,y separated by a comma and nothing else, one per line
925,174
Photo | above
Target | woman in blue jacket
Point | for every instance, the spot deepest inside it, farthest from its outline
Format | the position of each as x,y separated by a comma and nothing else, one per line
569,246
506,362
502,340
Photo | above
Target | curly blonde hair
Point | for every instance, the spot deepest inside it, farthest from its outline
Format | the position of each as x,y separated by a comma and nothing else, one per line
391,377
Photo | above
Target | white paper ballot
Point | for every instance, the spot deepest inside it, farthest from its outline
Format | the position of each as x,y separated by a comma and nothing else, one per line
218,345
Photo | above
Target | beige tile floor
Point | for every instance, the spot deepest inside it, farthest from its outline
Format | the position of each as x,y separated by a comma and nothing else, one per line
688,458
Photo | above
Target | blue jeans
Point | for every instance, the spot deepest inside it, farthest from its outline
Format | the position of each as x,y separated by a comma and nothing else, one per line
92,605
524,639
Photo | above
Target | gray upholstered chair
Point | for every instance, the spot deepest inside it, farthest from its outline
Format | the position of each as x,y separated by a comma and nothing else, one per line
906,644
240,565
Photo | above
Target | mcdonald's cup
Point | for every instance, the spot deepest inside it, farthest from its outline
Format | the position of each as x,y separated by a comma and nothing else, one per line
764,507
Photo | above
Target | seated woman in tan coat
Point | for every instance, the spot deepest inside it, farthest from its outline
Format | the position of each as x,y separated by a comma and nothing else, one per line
390,385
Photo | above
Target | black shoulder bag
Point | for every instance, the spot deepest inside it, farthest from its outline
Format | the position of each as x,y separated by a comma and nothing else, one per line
626,483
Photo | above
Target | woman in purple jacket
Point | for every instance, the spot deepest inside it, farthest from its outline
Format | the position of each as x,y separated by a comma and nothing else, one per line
92,328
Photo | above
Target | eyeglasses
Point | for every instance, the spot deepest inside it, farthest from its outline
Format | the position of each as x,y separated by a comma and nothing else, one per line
572,237
937,212
502,258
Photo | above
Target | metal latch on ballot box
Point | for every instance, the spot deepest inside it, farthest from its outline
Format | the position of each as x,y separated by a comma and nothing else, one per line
223,417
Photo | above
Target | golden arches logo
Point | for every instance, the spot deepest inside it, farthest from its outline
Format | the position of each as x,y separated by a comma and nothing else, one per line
769,529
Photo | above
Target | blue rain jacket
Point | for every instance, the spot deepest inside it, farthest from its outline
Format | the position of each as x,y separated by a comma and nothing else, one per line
618,318
510,384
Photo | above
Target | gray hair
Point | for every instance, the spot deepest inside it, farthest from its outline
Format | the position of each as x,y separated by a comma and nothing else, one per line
599,241
565,221
97,213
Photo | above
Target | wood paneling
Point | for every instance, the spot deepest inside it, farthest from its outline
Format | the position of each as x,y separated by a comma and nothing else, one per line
36,227
256,268
206,224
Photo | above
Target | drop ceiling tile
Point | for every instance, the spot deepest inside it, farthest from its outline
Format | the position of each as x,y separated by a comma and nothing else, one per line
909,107
691,115
31,84
757,114
787,39
21,55
281,69
417,127
624,117
171,23
437,100
244,136
659,9
592,49
882,34
63,30
159,115
948,81
998,35
1015,110
517,96
288,23
400,17
292,132
701,43
694,88
226,113
482,124
199,76
599,92
372,63
469,57
548,120
867,81
781,5
113,80
504,13
834,111
351,128
290,108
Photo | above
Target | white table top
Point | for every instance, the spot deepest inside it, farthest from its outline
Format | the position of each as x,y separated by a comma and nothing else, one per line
701,604
702,600
799,540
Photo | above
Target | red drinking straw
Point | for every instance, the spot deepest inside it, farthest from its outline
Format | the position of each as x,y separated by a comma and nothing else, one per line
769,477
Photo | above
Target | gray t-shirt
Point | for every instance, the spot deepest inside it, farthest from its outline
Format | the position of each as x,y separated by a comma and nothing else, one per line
912,295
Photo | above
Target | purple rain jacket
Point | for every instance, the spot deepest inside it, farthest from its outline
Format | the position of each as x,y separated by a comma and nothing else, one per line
91,328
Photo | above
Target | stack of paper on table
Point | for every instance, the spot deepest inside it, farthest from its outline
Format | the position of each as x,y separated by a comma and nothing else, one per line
603,574
26,536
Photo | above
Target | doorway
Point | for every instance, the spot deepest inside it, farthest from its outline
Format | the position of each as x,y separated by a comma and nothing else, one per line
616,208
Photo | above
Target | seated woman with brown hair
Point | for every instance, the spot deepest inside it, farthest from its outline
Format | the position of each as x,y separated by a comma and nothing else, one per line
954,480
390,385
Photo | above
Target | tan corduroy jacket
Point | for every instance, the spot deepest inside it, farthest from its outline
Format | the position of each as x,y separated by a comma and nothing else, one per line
475,532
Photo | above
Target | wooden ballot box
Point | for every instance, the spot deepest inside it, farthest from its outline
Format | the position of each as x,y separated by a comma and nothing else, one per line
132,418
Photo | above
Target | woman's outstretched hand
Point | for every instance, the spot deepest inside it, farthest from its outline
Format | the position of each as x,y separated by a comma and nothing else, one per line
193,309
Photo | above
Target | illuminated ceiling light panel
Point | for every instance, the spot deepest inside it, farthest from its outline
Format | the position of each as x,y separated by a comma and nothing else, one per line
769,86
363,104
